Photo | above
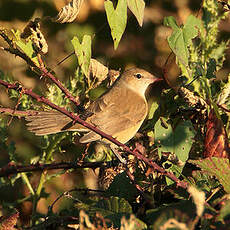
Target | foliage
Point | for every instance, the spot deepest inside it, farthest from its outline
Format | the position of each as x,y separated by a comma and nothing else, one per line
137,195
83,52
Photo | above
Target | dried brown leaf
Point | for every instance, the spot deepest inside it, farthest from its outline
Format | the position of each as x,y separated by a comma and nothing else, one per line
33,31
171,71
113,75
69,12
191,99
8,222
97,71
216,140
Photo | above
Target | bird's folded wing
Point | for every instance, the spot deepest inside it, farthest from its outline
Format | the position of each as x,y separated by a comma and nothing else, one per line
113,118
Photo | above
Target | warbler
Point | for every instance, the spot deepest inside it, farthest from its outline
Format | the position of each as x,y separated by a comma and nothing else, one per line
118,112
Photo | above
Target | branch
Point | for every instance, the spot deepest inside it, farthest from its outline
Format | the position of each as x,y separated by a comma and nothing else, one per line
14,50
13,168
18,113
42,69
76,118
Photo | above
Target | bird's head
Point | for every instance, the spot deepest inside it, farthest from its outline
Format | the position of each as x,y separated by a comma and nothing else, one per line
138,79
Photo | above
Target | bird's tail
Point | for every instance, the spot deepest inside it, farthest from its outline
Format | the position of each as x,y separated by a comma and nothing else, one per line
49,122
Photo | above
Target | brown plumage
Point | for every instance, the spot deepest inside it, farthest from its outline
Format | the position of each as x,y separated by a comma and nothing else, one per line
119,112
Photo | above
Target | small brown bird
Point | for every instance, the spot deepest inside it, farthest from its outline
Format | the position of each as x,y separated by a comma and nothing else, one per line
119,112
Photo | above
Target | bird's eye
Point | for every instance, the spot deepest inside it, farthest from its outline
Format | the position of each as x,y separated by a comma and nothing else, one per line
138,76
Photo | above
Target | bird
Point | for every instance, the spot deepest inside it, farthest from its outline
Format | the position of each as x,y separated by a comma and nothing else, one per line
119,112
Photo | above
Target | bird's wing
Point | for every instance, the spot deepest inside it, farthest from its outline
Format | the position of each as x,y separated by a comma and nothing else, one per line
113,115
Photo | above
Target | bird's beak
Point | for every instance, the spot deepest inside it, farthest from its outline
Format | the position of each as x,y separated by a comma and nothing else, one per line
157,80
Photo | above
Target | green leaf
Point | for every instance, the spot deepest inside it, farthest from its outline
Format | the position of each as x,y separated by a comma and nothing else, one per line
218,167
218,53
178,140
98,152
204,181
153,108
171,22
181,215
114,205
117,19
224,212
211,68
175,169
11,151
113,208
122,187
83,52
182,37
137,7
27,48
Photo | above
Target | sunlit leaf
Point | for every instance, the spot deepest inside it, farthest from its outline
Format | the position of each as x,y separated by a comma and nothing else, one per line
26,47
137,7
83,52
132,223
117,19
98,72
181,37
198,199
224,211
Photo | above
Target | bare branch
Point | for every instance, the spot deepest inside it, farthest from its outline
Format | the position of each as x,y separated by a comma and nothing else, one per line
17,113
13,168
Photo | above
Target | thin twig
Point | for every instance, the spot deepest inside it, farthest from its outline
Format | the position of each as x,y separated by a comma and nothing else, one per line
18,113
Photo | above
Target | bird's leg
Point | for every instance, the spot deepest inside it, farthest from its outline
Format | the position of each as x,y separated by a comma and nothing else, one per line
99,146
117,154
114,149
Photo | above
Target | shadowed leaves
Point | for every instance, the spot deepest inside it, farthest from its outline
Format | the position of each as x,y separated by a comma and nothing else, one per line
218,167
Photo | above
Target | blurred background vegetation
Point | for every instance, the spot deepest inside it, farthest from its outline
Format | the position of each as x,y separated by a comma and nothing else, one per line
144,47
